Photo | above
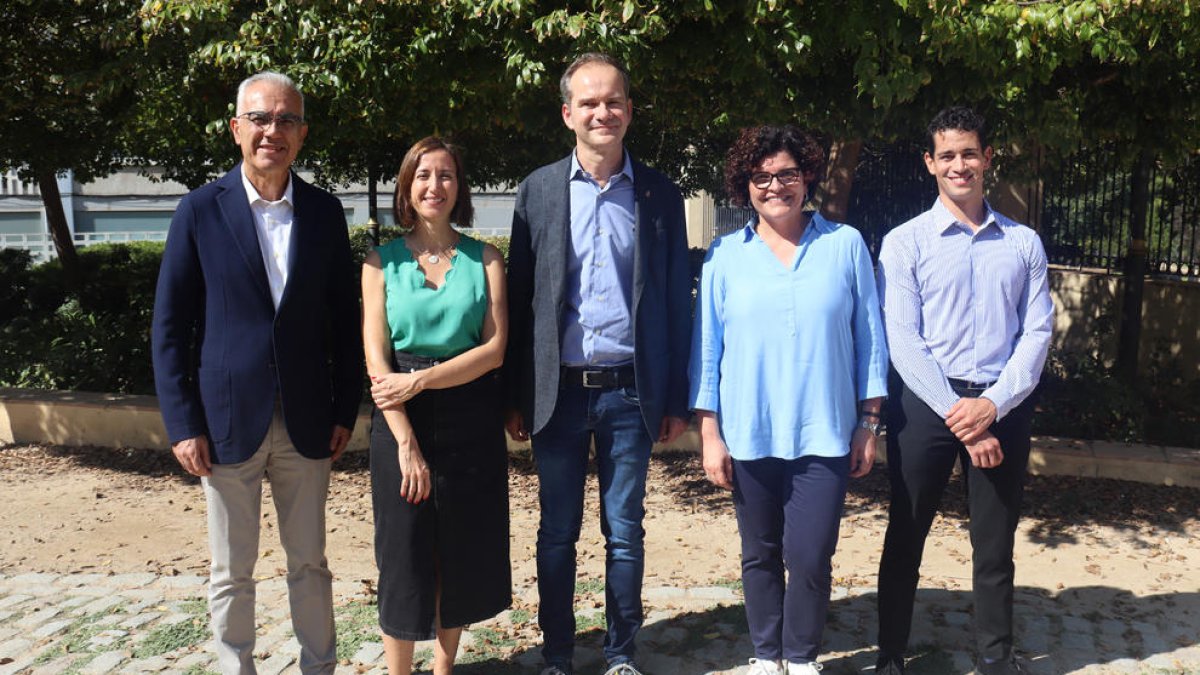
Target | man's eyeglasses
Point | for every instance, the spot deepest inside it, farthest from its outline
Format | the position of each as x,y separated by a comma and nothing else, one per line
762,179
283,121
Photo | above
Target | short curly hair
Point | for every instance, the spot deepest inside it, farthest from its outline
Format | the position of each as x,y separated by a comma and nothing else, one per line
754,144
402,207
957,118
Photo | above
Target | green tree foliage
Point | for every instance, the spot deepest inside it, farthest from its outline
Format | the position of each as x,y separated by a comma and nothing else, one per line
381,74
65,90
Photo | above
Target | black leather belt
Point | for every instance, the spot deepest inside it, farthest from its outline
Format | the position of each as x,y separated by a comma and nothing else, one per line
968,388
598,378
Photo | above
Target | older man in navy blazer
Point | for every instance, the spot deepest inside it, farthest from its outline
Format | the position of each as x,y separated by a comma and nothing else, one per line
600,322
258,366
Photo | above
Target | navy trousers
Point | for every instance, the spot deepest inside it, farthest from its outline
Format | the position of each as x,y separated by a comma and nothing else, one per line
788,514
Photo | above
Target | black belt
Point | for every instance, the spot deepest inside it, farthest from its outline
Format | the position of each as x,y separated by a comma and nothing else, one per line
404,362
598,377
968,388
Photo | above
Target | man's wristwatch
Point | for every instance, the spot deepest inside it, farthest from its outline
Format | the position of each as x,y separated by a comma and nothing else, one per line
873,426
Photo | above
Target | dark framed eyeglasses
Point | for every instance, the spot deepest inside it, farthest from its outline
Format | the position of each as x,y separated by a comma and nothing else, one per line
282,121
762,179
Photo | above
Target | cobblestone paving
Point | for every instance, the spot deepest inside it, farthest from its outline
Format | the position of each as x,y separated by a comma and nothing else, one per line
141,623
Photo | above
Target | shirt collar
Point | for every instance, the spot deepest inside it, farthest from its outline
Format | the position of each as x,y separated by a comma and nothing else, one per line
253,196
944,220
626,168
816,224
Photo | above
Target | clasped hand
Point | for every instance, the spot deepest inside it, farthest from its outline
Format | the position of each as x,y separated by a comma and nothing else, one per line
390,391
969,418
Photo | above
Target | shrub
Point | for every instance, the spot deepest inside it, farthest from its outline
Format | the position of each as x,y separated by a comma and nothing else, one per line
95,339
14,282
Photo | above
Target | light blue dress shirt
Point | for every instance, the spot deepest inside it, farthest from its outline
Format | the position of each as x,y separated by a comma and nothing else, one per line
597,326
968,306
784,353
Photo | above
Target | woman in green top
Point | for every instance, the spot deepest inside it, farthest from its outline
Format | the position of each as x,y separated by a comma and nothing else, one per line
434,330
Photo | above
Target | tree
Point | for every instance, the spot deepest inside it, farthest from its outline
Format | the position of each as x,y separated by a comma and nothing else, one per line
65,91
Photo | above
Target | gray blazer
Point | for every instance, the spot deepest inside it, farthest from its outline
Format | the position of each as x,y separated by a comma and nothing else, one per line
662,302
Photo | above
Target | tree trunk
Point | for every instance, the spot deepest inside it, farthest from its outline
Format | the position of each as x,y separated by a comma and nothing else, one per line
56,220
1130,337
372,204
839,179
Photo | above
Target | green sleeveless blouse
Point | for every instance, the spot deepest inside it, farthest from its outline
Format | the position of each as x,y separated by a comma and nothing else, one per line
441,322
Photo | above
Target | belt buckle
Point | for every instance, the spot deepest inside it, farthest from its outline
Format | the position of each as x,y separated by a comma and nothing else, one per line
588,383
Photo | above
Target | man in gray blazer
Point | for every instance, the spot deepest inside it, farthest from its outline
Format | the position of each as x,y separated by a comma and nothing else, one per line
599,306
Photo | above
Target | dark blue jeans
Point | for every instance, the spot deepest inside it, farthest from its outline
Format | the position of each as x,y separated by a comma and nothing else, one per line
613,418
789,513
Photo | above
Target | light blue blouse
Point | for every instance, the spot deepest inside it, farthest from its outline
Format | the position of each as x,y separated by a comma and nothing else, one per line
783,353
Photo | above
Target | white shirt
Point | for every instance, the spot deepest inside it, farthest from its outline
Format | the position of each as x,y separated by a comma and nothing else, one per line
273,223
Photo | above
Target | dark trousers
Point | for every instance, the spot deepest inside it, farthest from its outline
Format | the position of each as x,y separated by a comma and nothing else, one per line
788,514
921,454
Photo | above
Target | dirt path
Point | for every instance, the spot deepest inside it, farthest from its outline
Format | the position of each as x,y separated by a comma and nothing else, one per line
115,511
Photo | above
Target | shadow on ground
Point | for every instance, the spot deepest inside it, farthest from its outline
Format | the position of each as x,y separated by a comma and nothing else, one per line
1077,628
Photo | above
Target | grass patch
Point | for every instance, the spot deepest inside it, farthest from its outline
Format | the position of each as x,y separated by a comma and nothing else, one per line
730,583
194,607
173,637
77,639
200,670
356,623
423,660
589,586
487,644
519,616
589,622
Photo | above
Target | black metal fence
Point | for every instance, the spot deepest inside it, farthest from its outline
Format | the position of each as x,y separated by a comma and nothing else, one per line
891,185
729,218
1086,209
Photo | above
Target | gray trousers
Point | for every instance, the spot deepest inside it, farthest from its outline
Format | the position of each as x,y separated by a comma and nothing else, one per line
299,487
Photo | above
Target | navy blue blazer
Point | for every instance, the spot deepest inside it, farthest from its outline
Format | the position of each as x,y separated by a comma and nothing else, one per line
662,302
222,353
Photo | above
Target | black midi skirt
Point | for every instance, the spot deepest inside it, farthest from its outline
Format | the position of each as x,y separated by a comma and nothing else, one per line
459,536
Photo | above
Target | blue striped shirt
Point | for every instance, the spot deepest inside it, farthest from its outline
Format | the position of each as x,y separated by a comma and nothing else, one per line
968,306
597,323
783,353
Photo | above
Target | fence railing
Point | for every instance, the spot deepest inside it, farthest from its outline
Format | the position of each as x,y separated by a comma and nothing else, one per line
1086,211
41,245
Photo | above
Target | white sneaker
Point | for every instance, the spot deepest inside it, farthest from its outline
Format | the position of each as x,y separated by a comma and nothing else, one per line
761,667
810,668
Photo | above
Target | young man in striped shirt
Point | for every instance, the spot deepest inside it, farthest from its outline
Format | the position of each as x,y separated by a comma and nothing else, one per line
969,317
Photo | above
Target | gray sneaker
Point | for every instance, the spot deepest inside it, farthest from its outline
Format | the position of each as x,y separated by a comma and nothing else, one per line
554,670
626,668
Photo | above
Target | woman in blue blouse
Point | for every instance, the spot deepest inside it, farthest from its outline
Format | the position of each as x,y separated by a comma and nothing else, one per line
788,372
